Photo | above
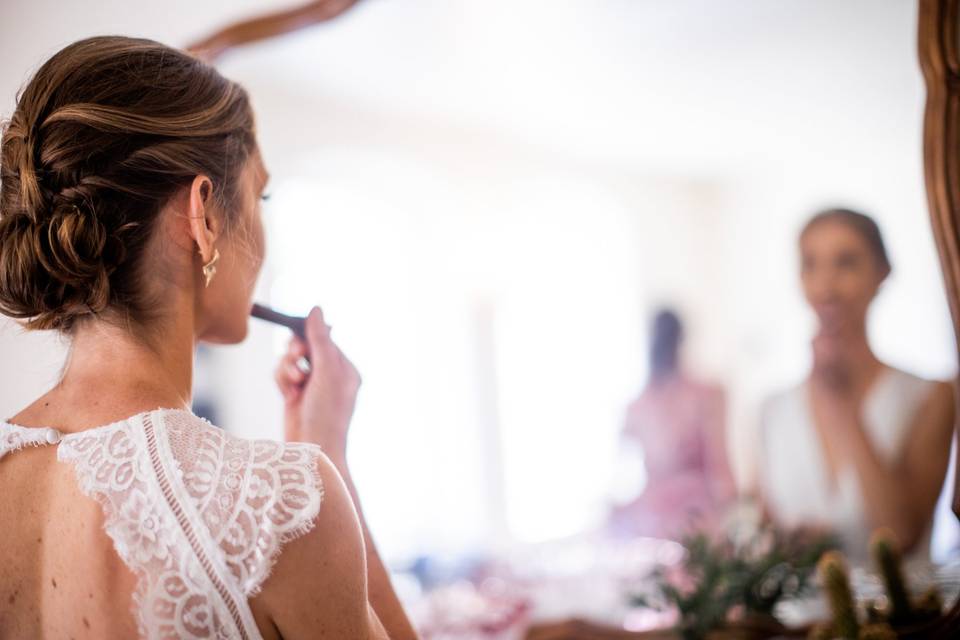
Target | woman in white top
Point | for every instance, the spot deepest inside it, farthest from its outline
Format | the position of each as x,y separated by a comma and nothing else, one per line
130,221
858,444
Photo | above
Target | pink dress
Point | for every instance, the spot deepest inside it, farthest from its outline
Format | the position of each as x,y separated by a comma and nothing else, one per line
677,426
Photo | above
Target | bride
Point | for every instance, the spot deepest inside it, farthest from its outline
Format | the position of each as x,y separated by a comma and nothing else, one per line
859,444
130,222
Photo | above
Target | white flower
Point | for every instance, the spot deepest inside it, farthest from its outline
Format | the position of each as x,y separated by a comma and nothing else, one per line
143,529
258,488
197,615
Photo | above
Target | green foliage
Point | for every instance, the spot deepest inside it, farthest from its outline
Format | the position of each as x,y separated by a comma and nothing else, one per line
728,577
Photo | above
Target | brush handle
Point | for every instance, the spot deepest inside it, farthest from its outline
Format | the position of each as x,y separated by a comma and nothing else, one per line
294,323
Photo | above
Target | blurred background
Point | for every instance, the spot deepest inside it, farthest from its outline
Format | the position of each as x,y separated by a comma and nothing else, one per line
490,199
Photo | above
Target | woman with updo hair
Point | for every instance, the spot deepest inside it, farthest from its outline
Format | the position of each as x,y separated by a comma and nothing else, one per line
130,183
859,444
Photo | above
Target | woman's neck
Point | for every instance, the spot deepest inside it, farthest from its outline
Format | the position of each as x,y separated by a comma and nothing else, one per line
861,363
112,373
163,360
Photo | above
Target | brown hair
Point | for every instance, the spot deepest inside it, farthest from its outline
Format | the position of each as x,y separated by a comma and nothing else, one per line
102,137
862,224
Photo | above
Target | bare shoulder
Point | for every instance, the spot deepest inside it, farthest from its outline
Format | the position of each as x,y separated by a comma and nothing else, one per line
943,392
939,405
932,426
294,513
317,588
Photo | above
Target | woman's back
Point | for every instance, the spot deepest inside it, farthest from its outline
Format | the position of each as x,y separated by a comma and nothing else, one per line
59,573
196,515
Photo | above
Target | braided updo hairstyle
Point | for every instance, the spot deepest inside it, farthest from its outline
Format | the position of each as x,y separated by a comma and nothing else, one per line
102,137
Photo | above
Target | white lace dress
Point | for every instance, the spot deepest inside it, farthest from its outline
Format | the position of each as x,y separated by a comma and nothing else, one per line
197,514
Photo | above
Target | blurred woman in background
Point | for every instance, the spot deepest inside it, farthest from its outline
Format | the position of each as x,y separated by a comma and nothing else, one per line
859,444
677,424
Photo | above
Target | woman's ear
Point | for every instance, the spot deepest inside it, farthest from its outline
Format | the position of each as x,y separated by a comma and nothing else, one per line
204,225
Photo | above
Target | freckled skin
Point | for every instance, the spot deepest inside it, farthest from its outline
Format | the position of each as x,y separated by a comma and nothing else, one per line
41,602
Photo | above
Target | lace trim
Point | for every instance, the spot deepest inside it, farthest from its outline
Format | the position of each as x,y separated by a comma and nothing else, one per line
13,438
305,526
199,516
189,531
253,496
171,599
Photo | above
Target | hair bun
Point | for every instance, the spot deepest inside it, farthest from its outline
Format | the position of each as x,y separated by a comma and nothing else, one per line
72,242
53,270
89,159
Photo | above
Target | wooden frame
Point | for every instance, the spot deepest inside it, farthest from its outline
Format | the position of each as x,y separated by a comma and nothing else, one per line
938,49
938,27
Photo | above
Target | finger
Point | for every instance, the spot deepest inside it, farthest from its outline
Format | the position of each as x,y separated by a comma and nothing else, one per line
294,374
290,392
290,364
346,365
288,374
297,353
283,380
304,365
297,348
318,334
292,396
292,358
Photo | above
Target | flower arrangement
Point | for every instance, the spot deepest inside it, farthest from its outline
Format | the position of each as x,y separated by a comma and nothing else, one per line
728,583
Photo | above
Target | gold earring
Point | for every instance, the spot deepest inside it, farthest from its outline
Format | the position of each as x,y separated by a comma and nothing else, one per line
210,269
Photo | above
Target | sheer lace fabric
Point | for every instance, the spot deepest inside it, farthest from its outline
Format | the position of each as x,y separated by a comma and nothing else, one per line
198,515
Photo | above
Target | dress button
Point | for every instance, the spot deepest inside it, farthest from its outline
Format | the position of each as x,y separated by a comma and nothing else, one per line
53,436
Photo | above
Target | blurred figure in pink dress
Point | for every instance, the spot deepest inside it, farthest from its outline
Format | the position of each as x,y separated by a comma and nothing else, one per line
678,426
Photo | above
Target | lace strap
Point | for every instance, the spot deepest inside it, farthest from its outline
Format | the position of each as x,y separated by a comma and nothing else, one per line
198,515
177,593
254,496
14,437
169,478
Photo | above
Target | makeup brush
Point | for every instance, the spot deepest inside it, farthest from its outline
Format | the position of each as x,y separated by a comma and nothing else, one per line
294,323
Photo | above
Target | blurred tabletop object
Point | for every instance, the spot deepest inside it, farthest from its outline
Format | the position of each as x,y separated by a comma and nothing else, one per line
581,588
